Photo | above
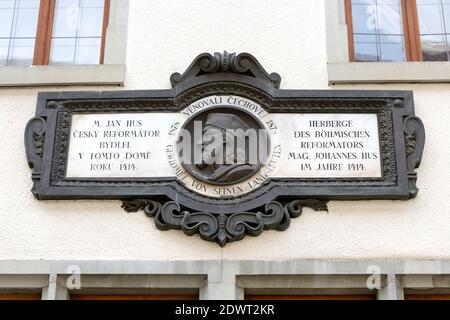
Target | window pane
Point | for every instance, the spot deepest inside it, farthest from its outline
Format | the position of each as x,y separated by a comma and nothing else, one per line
25,24
448,47
63,51
434,26
6,18
21,51
18,25
378,30
4,45
366,48
430,17
446,9
364,17
91,22
391,48
88,51
77,32
390,20
434,48
66,18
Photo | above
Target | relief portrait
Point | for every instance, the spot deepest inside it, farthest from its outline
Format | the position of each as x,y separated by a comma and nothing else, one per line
234,163
230,169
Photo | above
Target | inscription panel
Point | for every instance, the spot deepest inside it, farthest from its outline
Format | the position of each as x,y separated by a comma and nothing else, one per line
329,145
302,146
119,145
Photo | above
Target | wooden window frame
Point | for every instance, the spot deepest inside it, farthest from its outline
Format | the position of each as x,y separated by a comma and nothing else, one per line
410,18
45,31
424,297
133,297
311,297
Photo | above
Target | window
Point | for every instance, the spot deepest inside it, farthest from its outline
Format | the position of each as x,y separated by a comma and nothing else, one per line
398,30
53,31
18,23
434,28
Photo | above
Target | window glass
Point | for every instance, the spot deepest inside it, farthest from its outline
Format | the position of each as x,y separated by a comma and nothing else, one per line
18,25
77,32
434,27
378,30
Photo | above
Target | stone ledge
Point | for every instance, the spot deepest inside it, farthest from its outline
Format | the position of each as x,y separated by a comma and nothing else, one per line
389,72
62,75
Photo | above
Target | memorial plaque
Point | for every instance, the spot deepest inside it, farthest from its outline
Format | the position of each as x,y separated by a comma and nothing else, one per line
225,152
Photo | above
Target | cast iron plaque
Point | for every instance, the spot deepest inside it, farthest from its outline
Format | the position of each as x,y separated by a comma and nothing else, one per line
266,152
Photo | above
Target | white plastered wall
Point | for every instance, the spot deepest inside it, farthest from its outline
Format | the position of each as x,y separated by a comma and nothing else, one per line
288,37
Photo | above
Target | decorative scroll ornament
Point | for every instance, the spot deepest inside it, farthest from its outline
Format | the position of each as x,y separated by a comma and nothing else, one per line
223,228
34,147
244,64
415,143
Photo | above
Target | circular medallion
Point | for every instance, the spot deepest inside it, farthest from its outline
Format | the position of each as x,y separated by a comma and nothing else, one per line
223,145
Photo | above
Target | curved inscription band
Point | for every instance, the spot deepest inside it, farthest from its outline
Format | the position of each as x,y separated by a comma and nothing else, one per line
222,228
